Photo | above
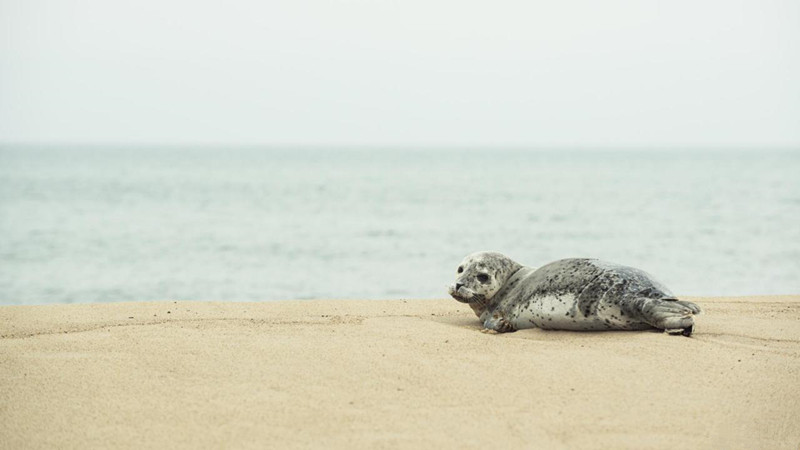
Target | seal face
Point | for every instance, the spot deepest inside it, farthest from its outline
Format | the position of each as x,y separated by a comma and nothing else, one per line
569,294
480,276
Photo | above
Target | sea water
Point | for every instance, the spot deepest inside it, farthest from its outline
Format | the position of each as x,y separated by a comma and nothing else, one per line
102,224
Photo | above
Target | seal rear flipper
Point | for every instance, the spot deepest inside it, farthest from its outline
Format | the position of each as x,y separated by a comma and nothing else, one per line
674,316
693,307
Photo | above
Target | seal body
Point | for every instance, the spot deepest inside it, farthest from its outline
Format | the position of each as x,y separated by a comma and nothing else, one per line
569,294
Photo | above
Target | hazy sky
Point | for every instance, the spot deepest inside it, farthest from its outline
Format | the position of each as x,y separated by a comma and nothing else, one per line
427,72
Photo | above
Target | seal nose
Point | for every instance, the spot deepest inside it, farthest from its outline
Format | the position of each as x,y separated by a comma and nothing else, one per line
458,285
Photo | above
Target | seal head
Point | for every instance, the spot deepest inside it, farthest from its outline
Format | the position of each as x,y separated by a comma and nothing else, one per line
480,275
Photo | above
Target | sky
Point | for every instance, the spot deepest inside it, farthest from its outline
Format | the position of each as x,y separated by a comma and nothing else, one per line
583,73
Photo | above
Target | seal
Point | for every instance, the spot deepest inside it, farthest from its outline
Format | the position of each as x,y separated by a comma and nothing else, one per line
569,294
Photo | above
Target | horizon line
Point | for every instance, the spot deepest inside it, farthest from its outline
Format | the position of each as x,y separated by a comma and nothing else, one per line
406,146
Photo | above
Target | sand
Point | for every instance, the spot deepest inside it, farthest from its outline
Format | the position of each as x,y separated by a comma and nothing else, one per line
391,374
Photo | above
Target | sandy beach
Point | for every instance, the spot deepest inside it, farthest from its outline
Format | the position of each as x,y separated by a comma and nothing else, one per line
391,374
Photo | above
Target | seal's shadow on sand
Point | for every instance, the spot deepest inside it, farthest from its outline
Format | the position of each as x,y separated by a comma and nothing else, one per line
471,323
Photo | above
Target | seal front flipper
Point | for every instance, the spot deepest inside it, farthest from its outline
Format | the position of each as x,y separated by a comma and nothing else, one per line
497,324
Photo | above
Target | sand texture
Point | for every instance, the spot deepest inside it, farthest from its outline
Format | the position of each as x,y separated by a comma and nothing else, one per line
391,374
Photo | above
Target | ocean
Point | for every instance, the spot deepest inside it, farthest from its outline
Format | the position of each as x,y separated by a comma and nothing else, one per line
105,224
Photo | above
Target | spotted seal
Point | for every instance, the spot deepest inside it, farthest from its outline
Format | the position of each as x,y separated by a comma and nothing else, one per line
569,294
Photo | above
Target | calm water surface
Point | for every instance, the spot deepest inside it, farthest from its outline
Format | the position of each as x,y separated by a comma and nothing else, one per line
114,224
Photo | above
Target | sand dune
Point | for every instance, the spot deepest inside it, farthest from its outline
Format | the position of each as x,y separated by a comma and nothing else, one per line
388,374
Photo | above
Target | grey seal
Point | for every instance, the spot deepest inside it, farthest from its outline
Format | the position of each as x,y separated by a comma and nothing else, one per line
569,294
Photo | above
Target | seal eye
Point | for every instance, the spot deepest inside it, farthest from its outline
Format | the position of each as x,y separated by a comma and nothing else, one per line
483,278
460,269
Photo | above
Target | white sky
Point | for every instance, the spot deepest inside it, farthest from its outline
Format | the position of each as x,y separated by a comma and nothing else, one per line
406,72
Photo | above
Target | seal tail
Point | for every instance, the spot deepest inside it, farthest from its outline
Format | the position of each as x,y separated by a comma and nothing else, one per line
669,314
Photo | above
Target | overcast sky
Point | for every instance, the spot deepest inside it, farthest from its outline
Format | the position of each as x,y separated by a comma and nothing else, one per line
407,72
